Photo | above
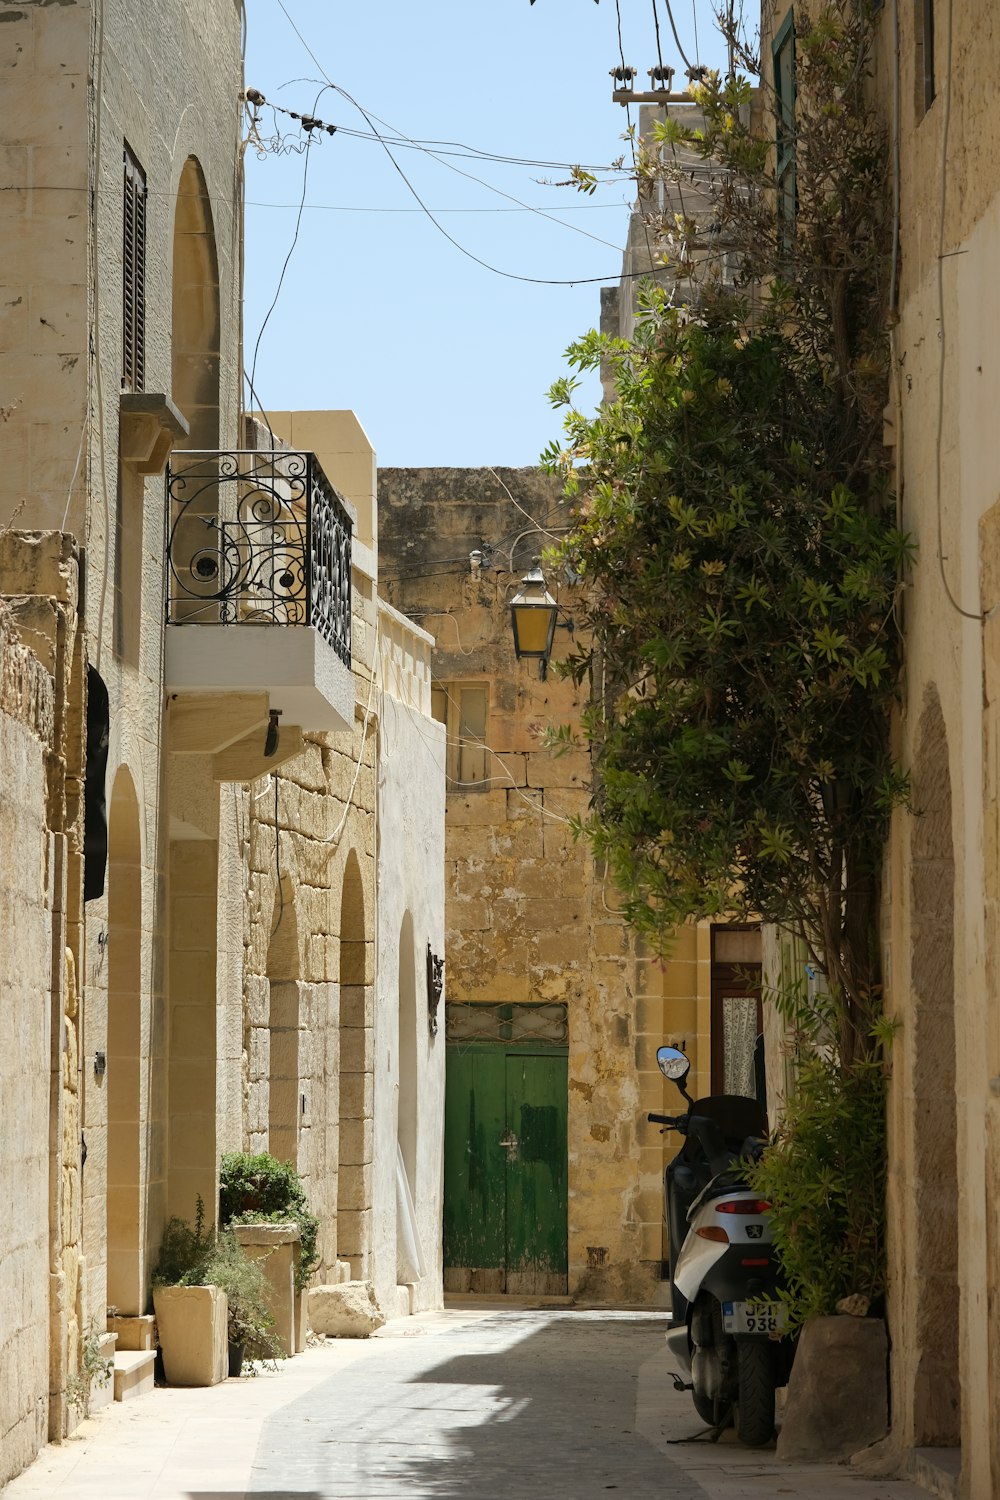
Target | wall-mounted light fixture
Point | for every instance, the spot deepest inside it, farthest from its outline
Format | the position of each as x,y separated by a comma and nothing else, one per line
435,988
533,620
273,733
100,1065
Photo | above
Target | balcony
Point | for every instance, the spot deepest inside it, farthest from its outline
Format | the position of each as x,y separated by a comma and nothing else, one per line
258,589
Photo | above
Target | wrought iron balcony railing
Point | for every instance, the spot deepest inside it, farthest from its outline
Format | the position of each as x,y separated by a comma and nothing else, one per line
258,538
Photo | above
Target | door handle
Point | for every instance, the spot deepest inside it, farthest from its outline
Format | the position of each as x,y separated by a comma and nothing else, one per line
509,1143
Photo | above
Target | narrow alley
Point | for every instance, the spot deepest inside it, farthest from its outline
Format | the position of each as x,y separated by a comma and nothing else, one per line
553,1403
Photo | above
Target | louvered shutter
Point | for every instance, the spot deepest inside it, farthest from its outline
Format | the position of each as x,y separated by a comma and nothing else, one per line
134,277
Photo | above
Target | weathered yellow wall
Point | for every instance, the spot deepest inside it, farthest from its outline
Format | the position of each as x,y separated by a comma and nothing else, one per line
530,916
77,82
26,731
942,871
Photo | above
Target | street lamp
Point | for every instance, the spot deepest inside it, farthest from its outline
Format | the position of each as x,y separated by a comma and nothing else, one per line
533,619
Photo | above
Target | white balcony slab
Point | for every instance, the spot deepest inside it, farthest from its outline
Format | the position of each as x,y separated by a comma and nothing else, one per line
302,675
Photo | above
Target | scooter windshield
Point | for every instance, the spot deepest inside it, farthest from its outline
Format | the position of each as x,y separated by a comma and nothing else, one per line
737,1118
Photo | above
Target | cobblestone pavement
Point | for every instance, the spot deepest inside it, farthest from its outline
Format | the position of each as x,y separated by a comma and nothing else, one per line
519,1404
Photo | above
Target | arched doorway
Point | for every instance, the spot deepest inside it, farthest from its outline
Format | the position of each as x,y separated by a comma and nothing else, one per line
196,325
935,1320
406,1124
126,1210
356,1079
284,1025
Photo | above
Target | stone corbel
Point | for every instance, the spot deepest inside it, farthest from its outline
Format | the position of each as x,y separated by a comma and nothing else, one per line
150,427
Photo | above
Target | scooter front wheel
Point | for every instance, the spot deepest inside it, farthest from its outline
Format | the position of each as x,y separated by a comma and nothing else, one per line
754,1406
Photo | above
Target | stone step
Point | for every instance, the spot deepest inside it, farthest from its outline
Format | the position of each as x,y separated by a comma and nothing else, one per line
134,1332
133,1373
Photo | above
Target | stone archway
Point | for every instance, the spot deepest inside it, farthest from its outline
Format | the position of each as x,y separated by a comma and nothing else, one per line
196,324
406,1121
356,1079
284,1030
126,1208
193,857
935,1304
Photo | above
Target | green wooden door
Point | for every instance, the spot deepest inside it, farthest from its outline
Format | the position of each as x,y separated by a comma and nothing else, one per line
505,1171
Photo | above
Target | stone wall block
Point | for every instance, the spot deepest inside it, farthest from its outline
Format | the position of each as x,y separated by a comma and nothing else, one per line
469,916
357,1142
354,1187
476,809
570,771
356,1043
357,1096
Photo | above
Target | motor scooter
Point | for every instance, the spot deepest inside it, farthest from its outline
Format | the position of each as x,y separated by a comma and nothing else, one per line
728,1319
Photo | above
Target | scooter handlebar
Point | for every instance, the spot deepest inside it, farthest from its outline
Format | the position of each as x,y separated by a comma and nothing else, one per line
672,1122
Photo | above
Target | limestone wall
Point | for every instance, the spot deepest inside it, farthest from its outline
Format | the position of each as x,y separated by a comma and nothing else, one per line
942,872
943,876
291,936
409,1060
80,84
27,714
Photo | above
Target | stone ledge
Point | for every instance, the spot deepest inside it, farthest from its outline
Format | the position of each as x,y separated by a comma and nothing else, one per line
150,425
266,1234
133,1373
937,1470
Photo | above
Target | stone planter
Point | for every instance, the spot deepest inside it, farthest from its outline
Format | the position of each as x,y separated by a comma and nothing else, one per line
191,1322
838,1394
277,1245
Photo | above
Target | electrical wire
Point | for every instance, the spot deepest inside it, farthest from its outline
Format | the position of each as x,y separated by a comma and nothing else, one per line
469,254
339,208
291,249
452,740
334,838
352,208
436,147
656,25
310,123
631,141
673,27
966,614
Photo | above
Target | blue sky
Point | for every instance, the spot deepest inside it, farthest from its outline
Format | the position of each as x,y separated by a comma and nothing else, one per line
444,361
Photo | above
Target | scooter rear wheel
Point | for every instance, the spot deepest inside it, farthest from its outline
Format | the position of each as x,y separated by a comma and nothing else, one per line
754,1406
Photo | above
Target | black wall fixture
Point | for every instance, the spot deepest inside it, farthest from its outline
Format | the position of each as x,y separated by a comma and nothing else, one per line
95,805
435,988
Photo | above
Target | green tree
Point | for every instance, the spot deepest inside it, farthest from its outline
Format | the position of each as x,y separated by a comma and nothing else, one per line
735,534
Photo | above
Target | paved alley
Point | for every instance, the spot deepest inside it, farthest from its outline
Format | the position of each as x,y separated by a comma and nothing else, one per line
521,1404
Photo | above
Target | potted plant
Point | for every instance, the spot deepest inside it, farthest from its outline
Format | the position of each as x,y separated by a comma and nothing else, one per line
249,1323
191,1313
263,1201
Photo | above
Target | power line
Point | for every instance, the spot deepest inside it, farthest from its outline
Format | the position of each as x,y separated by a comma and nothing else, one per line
469,254
418,143
340,208
291,249
673,27
310,124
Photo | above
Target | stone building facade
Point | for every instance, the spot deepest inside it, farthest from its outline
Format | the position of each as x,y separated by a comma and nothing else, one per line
935,82
223,887
539,961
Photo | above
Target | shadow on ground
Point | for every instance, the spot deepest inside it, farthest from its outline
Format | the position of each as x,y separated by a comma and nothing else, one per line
544,1408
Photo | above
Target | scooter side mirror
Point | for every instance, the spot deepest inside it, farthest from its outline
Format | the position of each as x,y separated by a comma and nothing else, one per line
673,1063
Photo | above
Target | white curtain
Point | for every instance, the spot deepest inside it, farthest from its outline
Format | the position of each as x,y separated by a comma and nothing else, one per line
410,1263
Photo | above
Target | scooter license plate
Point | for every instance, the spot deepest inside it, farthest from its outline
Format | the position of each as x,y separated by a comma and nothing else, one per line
754,1317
